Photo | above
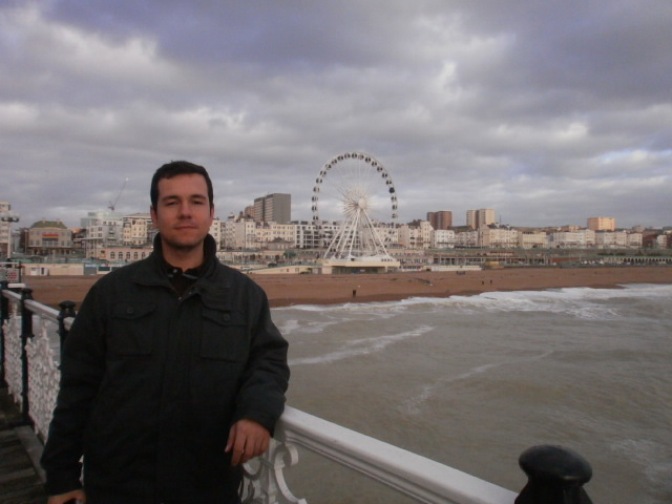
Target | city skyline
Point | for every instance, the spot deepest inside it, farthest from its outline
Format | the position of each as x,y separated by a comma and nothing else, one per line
482,216
547,113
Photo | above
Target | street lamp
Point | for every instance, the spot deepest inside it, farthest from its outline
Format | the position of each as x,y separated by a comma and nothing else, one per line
9,217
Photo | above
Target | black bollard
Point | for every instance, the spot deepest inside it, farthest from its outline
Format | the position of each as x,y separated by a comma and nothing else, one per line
556,475
67,311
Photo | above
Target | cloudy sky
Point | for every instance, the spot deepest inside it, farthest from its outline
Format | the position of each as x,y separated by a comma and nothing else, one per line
548,112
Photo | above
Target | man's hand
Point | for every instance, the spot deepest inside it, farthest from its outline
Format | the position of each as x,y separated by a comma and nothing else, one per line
77,496
247,439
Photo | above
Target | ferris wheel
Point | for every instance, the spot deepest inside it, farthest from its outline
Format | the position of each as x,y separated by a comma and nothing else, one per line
354,201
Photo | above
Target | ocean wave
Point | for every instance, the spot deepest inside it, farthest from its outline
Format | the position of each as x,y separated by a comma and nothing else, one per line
360,347
413,406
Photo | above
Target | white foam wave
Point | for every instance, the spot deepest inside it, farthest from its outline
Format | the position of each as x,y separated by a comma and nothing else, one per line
363,346
652,456
413,406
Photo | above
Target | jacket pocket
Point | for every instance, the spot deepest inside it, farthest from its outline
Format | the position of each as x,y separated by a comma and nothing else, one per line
131,330
225,336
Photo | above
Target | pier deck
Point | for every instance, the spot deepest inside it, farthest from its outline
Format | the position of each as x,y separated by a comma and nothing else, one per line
21,479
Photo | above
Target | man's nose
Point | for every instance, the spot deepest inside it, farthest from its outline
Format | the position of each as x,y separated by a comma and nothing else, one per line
185,208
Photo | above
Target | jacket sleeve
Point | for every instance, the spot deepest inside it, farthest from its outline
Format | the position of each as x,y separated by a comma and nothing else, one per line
262,393
82,370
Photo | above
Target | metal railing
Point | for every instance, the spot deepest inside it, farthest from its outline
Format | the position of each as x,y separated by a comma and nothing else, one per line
29,367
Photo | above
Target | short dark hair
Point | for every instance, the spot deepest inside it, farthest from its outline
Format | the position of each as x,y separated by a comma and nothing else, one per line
169,170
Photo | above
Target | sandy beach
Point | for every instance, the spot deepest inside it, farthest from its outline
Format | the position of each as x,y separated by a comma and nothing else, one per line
287,290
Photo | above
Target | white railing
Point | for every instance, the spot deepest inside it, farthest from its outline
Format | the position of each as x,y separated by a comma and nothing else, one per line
418,477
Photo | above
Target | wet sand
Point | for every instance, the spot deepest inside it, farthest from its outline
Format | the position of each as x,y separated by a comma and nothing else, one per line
287,290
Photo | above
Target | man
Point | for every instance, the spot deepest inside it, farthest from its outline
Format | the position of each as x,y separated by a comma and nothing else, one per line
173,373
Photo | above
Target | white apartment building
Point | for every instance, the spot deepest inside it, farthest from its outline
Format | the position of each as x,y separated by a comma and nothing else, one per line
416,236
266,234
497,237
305,235
466,239
533,240
572,239
443,238
635,240
608,239
389,234
238,233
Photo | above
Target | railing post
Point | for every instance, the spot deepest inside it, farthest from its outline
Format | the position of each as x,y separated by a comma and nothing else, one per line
26,332
67,311
556,475
4,315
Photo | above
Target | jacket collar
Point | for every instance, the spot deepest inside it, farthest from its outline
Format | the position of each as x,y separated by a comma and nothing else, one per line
154,270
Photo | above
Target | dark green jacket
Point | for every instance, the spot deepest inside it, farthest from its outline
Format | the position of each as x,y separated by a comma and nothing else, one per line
152,382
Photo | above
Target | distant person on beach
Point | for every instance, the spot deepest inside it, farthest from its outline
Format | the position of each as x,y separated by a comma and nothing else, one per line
173,373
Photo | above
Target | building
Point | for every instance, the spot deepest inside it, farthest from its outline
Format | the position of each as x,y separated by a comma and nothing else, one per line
136,229
601,223
103,230
276,207
442,219
443,239
533,239
49,238
7,217
572,239
483,217
416,236
496,237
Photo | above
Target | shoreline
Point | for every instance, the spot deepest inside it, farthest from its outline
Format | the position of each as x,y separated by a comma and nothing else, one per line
289,290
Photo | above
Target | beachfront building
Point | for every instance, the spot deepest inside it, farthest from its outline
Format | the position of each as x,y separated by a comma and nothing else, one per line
49,238
388,234
238,233
443,238
416,235
274,235
583,238
663,241
533,239
306,236
466,239
496,237
123,255
635,240
608,239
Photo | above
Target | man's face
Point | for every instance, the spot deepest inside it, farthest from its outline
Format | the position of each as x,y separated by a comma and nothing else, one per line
183,214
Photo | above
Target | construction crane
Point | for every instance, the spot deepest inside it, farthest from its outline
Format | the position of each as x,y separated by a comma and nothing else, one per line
113,204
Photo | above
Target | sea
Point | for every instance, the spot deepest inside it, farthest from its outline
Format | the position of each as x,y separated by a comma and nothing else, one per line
473,381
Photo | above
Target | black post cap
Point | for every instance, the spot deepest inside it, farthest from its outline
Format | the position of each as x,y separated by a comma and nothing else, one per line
555,476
